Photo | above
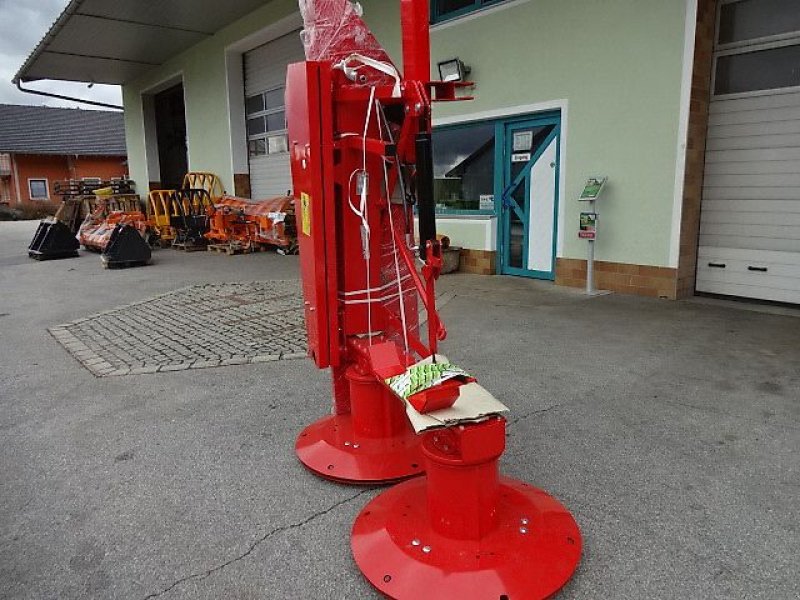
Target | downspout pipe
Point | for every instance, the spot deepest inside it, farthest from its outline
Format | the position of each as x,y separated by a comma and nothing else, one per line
71,9
62,97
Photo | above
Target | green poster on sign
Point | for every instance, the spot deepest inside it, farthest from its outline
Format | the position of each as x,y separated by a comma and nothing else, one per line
593,189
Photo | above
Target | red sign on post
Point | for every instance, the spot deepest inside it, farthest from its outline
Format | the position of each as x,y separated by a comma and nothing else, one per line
588,230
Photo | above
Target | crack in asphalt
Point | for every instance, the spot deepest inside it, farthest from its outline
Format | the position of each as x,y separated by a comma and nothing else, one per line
534,413
255,544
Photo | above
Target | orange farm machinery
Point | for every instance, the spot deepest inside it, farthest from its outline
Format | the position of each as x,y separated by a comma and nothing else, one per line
249,226
118,231
180,218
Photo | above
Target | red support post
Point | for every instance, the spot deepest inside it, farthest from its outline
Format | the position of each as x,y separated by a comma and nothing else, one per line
415,18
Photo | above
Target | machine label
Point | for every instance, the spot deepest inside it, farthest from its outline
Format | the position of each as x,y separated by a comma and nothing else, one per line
305,214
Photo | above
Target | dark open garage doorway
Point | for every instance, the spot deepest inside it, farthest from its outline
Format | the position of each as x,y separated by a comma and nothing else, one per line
171,134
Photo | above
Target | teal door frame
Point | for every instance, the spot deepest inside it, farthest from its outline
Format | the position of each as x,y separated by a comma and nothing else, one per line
505,187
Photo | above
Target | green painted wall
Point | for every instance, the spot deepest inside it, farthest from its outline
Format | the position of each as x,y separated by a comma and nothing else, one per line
205,90
618,63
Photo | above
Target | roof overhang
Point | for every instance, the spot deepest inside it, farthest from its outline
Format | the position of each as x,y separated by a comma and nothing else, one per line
116,41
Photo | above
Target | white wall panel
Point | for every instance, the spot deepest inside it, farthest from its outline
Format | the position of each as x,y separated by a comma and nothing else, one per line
265,69
750,221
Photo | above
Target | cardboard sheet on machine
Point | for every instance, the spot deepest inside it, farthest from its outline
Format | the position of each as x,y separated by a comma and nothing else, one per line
474,404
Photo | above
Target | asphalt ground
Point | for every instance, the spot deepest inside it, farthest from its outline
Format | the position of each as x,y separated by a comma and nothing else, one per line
670,429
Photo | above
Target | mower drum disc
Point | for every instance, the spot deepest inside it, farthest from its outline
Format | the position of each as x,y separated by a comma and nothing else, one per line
332,450
530,555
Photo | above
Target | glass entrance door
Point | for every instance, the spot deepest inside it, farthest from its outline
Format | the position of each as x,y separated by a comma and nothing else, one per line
529,199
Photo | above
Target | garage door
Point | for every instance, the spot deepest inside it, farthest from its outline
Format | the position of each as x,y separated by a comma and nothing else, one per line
265,78
750,220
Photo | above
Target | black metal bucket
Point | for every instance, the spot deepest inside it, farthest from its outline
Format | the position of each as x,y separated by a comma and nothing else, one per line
126,248
53,240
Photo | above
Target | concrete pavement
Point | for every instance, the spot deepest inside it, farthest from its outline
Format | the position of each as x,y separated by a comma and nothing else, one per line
671,430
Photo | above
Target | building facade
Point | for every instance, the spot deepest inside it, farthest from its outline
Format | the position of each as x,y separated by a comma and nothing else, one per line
690,108
40,146
32,177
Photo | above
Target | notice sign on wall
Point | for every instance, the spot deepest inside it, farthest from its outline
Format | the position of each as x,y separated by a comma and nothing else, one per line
486,202
588,230
523,141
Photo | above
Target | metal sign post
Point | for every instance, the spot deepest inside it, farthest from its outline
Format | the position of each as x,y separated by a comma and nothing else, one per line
588,228
590,289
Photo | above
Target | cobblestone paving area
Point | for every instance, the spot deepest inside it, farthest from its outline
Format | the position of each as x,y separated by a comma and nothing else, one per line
197,327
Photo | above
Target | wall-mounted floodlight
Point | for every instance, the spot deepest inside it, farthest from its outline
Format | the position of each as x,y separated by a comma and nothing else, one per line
453,70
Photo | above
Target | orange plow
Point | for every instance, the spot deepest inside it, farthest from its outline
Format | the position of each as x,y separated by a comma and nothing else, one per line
96,229
239,225
119,235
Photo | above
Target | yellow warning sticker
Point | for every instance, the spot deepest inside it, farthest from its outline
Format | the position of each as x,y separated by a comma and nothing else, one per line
305,214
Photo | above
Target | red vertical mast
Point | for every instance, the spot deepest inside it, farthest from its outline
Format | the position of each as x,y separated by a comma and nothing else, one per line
415,16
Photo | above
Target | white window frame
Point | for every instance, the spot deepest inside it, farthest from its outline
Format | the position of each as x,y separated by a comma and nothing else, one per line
267,133
46,188
5,164
472,14
770,42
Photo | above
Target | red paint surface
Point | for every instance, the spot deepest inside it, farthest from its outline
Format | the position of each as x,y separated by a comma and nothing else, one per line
463,531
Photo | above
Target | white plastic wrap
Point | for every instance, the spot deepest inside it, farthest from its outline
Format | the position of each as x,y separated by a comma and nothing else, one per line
333,30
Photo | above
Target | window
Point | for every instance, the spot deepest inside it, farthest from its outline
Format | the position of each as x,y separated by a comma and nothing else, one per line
761,70
5,165
442,10
753,19
38,189
463,167
266,123
758,46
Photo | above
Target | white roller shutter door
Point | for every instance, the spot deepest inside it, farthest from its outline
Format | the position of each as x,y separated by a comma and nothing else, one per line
750,222
265,78
750,219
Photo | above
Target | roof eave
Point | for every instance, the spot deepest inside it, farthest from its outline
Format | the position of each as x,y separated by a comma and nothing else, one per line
71,8
110,154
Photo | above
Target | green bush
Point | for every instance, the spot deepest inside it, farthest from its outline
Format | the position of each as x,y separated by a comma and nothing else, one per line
30,211
8,214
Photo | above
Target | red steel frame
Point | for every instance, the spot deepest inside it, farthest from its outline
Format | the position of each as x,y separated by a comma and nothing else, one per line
463,531
367,439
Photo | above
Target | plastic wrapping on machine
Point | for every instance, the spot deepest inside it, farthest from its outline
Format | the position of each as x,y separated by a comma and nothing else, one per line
96,230
400,298
333,30
245,222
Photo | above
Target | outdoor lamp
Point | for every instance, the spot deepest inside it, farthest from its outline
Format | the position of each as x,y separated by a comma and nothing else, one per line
453,70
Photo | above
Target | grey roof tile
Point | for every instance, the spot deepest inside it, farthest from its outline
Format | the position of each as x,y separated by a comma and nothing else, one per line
46,130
